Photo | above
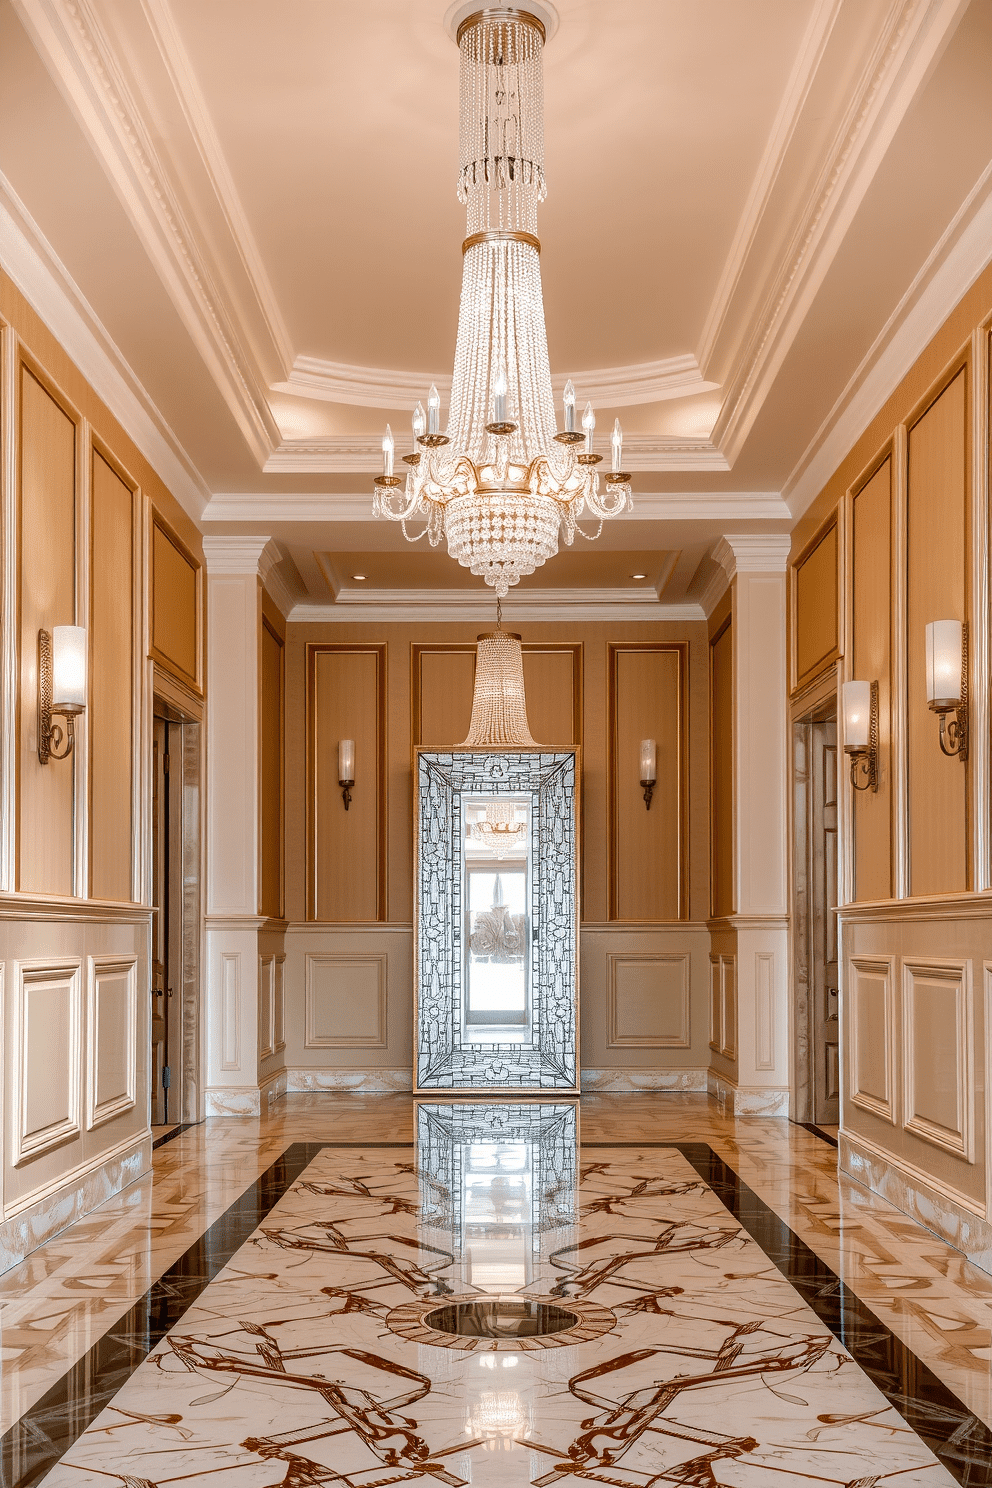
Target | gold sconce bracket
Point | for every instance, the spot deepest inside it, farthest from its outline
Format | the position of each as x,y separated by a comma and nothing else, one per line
54,741
864,761
954,730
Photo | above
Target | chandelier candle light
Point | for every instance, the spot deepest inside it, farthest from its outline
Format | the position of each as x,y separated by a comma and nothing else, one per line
501,485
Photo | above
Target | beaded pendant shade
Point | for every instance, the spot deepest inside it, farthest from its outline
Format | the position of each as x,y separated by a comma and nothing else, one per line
501,485
499,707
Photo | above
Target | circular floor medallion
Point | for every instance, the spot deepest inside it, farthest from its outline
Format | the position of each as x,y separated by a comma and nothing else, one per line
500,1322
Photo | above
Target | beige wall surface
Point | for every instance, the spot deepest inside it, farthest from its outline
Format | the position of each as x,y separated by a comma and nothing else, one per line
390,686
74,833
912,501
722,771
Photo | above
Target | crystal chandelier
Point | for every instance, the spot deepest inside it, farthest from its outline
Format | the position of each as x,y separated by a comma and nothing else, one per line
501,484
499,703
499,830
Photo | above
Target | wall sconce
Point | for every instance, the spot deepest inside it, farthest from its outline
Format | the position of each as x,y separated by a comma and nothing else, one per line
649,769
61,688
947,682
346,769
859,710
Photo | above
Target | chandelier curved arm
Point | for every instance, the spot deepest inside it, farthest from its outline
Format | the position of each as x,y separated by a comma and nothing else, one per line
385,499
617,498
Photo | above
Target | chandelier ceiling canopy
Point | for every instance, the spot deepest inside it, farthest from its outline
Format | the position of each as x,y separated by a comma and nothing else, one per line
501,484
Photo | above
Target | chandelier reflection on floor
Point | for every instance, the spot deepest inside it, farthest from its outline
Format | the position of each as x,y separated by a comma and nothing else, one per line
501,484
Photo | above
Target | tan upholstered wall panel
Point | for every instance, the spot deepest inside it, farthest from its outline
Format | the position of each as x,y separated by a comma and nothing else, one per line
871,661
722,772
443,677
816,606
936,529
646,869
48,597
271,773
112,711
347,860
176,605
553,680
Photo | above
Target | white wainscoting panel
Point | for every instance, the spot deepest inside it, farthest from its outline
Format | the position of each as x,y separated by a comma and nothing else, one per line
728,1006
279,1005
230,1010
345,1001
873,1035
266,1005
716,1006
764,1010
111,1023
47,1056
938,1054
648,1000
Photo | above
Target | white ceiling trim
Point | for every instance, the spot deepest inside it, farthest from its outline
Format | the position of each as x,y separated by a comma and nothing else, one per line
45,282
344,454
377,387
911,40
271,508
955,263
379,606
81,61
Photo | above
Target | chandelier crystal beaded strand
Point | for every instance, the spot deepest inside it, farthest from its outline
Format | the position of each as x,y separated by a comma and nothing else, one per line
501,485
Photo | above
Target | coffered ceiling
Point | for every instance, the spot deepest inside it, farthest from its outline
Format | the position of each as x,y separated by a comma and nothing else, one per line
240,218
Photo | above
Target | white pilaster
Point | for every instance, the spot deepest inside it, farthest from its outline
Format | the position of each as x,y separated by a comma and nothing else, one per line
756,567
234,567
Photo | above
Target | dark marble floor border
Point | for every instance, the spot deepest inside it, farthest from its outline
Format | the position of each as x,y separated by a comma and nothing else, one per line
176,1131
31,1447
811,1126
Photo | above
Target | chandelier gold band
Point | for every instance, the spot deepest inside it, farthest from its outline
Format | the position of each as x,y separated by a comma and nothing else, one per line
500,13
491,635
494,235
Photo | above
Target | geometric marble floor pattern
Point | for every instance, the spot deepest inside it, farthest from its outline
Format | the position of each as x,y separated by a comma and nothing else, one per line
319,1352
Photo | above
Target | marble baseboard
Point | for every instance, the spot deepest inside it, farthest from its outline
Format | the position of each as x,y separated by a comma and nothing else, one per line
274,1088
358,1081
637,1081
922,1198
85,1190
747,1100
246,1100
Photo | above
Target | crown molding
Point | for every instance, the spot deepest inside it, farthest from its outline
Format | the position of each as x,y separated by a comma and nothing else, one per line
753,552
267,508
964,250
32,264
72,43
906,48
344,454
450,606
714,590
252,556
377,387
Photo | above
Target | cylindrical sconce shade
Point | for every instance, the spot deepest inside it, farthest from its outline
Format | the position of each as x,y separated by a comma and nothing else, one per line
944,650
856,712
68,669
649,761
346,759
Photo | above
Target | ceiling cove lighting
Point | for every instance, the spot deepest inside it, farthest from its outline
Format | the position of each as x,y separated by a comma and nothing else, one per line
502,484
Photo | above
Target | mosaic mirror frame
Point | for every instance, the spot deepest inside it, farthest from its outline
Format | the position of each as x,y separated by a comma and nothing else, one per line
542,783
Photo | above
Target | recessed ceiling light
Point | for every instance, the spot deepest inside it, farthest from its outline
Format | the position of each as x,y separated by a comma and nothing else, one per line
638,576
358,576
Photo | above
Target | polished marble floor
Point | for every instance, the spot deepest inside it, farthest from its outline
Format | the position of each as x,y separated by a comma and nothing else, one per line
82,1312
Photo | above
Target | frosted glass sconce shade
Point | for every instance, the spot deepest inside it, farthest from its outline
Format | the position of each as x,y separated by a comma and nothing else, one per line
346,769
68,669
947,682
859,723
945,649
61,688
649,769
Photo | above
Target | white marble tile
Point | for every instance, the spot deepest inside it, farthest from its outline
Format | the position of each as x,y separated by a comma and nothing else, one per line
287,1368
357,1080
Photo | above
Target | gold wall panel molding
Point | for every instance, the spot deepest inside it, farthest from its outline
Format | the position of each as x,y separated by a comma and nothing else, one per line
111,1037
47,1094
648,1000
721,773
175,579
647,851
871,1030
345,1001
723,1005
346,850
815,592
938,1054
266,1006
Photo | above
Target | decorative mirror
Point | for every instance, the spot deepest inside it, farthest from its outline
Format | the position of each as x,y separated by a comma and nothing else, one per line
496,920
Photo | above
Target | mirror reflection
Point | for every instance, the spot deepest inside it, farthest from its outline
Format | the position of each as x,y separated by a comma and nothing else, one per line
496,842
